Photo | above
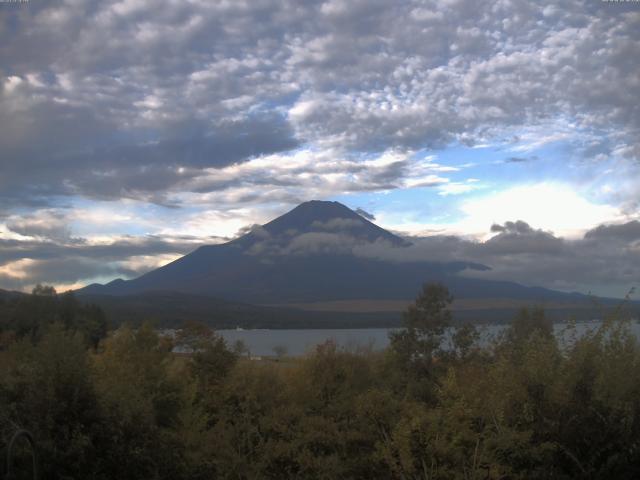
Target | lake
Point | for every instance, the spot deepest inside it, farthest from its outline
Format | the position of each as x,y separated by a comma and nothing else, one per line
300,341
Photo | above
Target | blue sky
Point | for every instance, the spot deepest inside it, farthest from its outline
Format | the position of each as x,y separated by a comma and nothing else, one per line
134,132
486,171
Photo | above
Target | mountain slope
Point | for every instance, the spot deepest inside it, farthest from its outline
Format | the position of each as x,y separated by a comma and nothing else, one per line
307,255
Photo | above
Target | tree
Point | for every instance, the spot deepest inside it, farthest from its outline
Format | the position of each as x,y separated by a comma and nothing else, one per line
211,359
44,291
240,348
211,363
46,388
194,336
141,400
280,351
463,340
527,322
425,323
32,314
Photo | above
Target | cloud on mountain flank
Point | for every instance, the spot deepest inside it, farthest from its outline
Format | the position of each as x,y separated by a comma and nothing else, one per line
606,259
608,255
363,213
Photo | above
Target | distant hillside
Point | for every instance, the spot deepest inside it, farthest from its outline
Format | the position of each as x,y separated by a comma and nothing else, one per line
171,309
7,299
10,294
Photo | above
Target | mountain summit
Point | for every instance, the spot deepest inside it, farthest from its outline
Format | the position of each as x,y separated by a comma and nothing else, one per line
322,218
330,216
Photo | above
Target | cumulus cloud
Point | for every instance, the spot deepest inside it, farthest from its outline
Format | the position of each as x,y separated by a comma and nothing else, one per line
117,99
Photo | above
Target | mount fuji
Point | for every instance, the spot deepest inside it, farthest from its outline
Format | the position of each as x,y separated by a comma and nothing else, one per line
307,259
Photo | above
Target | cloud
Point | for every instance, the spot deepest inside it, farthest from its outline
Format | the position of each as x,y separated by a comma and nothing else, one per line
363,213
520,237
320,242
114,99
309,174
45,224
458,188
336,235
556,205
23,263
604,260
337,224
257,230
216,107
81,156
518,228
519,159
626,232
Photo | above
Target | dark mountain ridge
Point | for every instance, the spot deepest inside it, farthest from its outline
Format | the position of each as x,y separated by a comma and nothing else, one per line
306,255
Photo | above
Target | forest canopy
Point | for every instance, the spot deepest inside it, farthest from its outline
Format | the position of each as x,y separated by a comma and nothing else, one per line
119,404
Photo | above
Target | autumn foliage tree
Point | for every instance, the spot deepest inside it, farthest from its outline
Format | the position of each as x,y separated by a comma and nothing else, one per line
440,403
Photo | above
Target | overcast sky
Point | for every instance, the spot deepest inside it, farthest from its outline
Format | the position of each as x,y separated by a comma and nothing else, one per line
134,131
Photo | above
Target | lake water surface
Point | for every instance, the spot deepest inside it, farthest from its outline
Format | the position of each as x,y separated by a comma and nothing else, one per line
301,341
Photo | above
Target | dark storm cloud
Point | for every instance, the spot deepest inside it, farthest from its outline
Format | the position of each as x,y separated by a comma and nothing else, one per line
111,99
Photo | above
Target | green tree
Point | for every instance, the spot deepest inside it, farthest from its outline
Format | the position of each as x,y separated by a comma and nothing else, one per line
32,314
418,343
141,397
529,321
47,389
280,351
464,339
